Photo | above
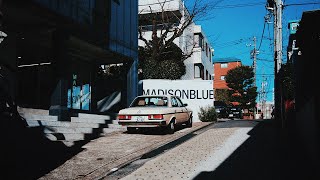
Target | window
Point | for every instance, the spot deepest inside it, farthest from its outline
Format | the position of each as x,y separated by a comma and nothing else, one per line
198,71
206,49
224,65
222,78
180,102
174,102
198,38
207,77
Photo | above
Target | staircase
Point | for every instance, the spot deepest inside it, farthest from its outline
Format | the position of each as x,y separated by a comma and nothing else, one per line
83,128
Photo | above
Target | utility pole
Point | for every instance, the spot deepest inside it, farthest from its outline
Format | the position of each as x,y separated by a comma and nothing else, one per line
263,96
278,34
254,54
276,6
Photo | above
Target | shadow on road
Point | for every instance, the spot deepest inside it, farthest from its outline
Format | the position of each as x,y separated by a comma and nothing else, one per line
269,153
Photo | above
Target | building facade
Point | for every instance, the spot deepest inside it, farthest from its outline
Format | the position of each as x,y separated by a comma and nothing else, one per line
193,39
221,68
200,65
55,50
292,50
307,98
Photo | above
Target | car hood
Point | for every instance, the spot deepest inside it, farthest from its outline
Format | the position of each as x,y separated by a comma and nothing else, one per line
146,110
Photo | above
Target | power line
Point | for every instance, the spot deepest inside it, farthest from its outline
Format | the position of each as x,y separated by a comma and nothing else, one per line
301,4
239,5
264,25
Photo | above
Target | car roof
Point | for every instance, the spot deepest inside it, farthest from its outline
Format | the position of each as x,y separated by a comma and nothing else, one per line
157,96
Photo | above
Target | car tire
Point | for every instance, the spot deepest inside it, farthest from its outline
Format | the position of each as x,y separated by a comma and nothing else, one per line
189,122
171,128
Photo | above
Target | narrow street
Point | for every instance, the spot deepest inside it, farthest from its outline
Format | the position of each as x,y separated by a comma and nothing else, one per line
104,155
204,152
234,149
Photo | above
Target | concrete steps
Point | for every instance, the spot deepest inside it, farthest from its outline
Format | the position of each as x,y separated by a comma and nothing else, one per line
82,128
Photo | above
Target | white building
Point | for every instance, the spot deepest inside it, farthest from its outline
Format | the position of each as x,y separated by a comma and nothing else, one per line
199,65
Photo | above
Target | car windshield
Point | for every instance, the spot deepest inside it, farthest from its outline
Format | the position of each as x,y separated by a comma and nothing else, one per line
235,108
150,101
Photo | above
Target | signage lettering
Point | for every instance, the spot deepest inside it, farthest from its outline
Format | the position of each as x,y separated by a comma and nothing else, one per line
184,94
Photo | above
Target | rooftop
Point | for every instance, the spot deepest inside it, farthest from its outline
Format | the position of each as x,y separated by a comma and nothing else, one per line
222,60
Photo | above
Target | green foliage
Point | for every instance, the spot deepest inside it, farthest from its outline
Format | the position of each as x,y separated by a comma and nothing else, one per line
207,114
169,65
240,81
221,95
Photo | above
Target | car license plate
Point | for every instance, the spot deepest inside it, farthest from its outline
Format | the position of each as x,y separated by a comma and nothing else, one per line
230,115
139,118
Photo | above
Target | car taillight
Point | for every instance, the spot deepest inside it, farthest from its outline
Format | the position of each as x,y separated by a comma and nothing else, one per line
155,116
124,117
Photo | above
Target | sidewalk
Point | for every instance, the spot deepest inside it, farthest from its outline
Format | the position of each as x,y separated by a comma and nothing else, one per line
102,155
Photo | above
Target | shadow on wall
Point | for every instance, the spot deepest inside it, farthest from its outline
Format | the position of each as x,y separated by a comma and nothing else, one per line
26,153
269,153
109,102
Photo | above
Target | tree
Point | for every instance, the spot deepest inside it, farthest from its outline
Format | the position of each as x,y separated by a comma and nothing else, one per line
240,81
221,95
168,66
159,50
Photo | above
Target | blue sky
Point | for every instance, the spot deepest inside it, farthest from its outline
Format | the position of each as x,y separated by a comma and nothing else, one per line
235,23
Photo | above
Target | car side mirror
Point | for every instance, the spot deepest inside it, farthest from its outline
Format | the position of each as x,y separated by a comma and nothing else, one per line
185,104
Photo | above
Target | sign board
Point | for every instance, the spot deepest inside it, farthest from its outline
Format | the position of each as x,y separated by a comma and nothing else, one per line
293,26
196,93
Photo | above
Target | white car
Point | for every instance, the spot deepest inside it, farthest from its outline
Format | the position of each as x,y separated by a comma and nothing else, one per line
164,111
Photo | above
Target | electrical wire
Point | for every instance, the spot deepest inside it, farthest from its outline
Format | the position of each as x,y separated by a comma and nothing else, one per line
239,5
264,26
301,4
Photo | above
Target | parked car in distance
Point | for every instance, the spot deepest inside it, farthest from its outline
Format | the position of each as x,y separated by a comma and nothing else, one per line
235,112
221,109
164,111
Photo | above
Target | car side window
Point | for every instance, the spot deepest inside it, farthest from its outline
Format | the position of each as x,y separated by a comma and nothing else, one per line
180,103
174,102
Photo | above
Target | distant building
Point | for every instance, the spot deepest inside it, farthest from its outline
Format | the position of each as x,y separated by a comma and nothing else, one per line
199,65
264,108
221,68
